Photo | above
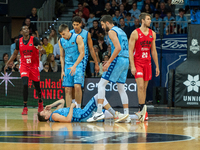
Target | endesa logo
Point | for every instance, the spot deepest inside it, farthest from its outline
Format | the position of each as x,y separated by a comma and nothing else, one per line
132,87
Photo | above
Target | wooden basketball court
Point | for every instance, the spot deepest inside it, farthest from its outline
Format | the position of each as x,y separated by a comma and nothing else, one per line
166,129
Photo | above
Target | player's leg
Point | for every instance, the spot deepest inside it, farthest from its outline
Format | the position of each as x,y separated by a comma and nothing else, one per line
25,94
38,91
78,94
73,95
68,96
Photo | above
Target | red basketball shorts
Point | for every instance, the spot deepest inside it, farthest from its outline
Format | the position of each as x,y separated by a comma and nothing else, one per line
143,70
31,73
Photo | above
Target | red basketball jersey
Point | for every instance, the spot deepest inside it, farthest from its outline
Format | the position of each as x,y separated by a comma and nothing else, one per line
143,46
29,54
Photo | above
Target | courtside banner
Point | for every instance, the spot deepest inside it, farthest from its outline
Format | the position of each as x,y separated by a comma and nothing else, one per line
112,95
11,90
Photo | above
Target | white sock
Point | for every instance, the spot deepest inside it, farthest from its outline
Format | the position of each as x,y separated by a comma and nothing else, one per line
73,100
133,116
99,108
78,106
112,111
108,114
126,110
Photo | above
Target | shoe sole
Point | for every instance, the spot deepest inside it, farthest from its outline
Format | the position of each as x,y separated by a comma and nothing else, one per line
120,119
141,119
97,119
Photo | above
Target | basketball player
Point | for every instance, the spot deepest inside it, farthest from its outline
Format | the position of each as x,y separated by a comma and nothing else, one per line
29,67
116,68
141,41
71,56
72,114
88,44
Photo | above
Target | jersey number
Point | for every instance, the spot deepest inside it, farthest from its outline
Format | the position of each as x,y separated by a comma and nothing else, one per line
28,61
125,45
144,55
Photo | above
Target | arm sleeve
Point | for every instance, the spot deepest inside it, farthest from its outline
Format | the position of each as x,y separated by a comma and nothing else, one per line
36,42
17,45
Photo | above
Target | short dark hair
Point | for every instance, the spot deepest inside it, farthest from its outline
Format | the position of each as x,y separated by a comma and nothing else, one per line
44,38
95,21
128,14
62,27
181,10
117,10
41,118
80,3
169,12
77,19
107,18
134,3
157,12
5,55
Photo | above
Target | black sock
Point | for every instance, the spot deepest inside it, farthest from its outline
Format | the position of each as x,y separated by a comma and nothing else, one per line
38,90
40,100
141,106
25,104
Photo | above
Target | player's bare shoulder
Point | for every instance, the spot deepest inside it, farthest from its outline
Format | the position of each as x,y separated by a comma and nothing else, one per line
134,35
154,34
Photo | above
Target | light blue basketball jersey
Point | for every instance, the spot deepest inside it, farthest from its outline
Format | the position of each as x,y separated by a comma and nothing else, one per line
123,40
71,49
84,35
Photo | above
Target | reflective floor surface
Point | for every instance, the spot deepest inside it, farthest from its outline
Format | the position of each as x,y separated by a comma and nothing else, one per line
170,129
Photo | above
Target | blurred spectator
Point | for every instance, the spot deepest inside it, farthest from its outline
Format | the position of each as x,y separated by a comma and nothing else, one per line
33,16
99,59
11,67
53,39
134,11
105,59
147,9
170,7
45,67
97,8
155,3
53,66
156,18
129,21
32,28
108,52
80,13
127,7
56,52
5,60
13,46
135,26
106,38
18,59
168,18
40,66
124,27
140,4
117,17
102,45
95,31
85,5
20,33
162,10
90,20
16,68
171,28
34,35
182,26
150,4
47,46
108,9
114,5
84,10
122,12
59,8
156,28
43,56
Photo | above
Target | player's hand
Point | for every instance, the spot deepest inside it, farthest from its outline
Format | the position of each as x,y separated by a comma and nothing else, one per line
5,68
73,70
133,70
157,72
97,68
48,107
105,67
62,75
39,47
73,105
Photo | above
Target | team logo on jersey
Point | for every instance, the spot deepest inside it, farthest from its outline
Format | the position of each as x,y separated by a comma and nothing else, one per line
72,43
20,42
30,44
150,36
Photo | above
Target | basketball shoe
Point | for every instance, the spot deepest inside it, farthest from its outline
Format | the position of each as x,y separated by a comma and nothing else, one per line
120,117
141,114
25,111
146,117
97,116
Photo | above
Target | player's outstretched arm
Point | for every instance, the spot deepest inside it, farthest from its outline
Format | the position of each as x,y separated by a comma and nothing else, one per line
132,41
90,45
60,118
62,60
59,103
154,54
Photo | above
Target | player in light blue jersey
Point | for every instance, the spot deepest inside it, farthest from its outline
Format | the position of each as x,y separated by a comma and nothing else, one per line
88,45
71,55
74,114
116,68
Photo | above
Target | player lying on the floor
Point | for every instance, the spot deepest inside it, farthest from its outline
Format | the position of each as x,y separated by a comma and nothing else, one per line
72,114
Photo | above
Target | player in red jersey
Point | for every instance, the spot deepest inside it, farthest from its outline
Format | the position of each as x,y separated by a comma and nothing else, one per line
140,42
28,46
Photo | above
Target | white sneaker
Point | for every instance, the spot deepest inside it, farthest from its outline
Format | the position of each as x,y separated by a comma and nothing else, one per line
97,116
120,117
128,119
141,114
